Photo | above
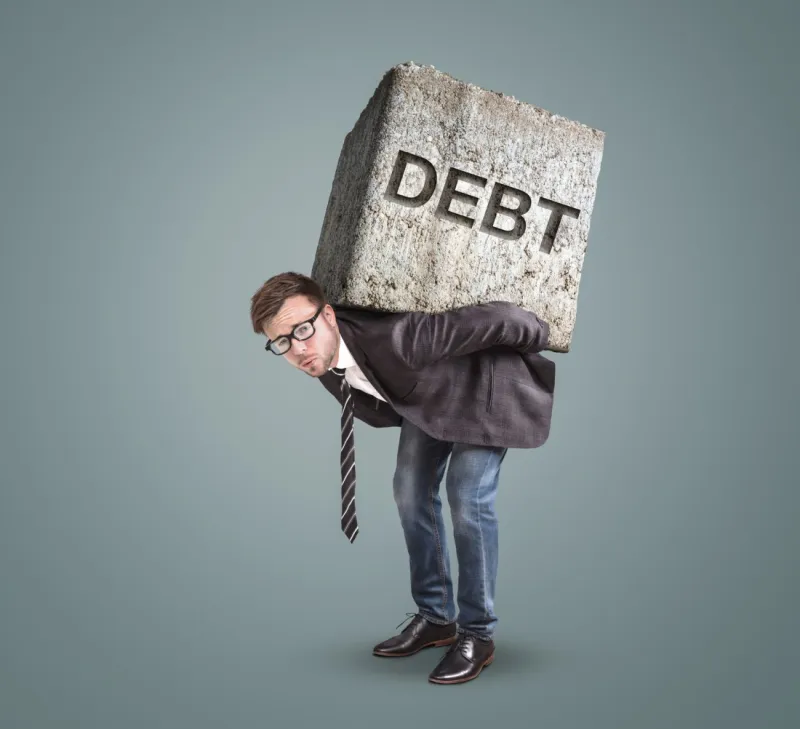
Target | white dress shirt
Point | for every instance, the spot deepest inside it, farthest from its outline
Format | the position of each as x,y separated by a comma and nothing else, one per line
352,371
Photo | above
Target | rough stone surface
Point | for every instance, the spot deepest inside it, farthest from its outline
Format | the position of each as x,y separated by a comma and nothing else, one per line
377,251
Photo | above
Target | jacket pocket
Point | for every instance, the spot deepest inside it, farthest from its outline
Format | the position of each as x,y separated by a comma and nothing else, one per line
414,387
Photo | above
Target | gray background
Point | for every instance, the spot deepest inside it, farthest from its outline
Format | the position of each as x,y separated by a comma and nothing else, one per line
170,553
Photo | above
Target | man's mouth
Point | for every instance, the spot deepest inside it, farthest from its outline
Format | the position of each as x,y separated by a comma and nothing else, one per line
308,361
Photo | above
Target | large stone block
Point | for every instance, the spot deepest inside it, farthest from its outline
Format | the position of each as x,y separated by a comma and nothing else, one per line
447,194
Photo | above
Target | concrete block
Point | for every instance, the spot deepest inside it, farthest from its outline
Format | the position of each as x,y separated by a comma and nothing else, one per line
447,194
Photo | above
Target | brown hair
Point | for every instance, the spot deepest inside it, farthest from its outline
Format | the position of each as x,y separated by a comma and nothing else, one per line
268,300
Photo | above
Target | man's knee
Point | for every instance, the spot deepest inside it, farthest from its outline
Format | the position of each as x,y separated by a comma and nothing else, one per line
408,492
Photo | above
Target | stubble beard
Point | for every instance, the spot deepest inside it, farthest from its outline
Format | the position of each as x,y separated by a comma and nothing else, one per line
315,368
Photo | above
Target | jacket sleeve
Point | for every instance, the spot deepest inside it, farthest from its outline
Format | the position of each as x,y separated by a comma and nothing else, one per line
420,338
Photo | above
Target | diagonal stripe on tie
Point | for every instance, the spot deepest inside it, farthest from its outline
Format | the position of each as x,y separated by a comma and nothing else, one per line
348,461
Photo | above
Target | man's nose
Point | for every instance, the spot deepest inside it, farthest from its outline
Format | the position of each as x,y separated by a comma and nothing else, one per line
299,347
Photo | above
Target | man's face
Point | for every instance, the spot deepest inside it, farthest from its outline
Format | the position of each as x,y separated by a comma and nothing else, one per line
322,348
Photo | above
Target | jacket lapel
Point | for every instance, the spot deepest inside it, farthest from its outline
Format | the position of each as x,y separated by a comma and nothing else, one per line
348,333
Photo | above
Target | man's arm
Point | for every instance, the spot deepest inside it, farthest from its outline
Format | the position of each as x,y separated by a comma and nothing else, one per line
420,338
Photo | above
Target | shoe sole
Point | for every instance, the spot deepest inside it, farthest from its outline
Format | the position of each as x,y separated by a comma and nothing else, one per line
433,644
487,662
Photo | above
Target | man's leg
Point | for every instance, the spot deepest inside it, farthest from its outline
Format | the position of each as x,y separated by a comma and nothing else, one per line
421,461
472,479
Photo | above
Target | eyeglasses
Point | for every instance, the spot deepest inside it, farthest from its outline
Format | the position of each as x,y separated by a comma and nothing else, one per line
301,331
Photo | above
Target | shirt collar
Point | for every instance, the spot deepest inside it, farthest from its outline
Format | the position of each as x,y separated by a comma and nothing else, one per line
345,358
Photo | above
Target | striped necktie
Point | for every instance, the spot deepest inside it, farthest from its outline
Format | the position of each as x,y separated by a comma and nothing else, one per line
348,459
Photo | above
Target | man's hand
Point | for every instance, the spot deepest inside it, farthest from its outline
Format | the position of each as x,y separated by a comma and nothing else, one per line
420,339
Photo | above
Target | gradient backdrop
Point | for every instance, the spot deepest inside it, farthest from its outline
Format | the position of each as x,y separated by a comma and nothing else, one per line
170,552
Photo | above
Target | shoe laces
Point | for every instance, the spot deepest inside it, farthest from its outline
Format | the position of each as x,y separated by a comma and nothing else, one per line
409,615
462,645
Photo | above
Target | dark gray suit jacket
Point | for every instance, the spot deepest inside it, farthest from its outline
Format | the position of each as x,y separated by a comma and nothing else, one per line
469,375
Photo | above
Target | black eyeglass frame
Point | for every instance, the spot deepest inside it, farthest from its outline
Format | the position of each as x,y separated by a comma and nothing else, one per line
291,335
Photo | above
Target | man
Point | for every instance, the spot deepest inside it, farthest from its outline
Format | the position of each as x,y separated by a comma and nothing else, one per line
466,384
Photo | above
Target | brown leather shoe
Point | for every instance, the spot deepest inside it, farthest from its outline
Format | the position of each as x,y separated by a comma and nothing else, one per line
464,661
418,634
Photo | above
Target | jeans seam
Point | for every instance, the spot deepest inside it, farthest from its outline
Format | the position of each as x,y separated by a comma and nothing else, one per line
480,531
438,543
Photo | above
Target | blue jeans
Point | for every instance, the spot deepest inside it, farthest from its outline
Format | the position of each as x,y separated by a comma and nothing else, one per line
472,478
